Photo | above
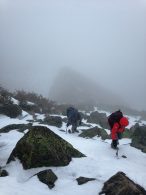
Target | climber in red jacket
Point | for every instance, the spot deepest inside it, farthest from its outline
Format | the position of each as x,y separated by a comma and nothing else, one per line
117,130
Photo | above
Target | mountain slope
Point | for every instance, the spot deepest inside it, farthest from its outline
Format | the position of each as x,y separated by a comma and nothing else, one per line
74,88
100,163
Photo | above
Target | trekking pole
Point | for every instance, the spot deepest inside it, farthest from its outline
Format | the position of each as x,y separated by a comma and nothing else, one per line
66,130
117,152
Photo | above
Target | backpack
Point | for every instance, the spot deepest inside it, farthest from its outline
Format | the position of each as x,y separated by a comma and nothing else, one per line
72,113
114,117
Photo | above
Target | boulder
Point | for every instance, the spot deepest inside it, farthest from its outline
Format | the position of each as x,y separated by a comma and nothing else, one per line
11,110
3,173
53,120
19,127
139,138
120,184
47,177
29,107
95,131
134,127
41,147
98,118
82,180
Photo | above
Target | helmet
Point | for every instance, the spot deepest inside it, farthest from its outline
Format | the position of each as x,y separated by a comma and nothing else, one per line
124,121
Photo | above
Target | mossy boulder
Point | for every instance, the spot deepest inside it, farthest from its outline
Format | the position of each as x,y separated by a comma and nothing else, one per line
95,131
11,110
53,120
41,147
139,138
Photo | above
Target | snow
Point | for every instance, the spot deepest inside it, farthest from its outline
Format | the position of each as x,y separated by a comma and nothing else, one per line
100,163
30,103
14,101
4,120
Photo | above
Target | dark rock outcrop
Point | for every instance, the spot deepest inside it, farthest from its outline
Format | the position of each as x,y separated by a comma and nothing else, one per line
30,108
95,131
139,138
120,184
11,110
47,177
3,173
82,180
134,127
19,127
98,118
42,147
53,120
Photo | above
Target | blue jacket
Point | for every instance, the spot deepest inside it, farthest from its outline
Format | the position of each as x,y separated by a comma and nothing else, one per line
73,115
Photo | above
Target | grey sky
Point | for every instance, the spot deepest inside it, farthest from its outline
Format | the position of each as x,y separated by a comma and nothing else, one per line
104,39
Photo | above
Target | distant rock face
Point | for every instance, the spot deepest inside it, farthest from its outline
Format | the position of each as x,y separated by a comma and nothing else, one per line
11,110
139,138
99,118
42,147
72,87
119,184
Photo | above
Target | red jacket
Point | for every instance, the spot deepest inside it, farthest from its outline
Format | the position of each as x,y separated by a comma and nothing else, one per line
116,129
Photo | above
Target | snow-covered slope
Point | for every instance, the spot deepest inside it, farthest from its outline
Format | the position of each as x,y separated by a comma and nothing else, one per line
101,163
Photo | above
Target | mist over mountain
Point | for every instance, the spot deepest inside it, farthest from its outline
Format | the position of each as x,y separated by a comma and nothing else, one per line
72,87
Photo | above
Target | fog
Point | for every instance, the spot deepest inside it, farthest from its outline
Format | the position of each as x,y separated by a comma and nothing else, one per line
102,39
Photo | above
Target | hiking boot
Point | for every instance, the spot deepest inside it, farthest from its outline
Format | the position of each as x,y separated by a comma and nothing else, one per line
113,147
69,131
76,131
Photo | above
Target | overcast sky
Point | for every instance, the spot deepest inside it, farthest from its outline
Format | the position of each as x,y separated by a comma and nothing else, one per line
104,39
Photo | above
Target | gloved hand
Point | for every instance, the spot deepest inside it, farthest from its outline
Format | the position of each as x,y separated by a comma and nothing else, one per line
67,124
115,143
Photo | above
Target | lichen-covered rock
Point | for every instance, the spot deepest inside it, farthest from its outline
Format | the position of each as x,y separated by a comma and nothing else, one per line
139,138
95,131
42,147
11,110
53,120
120,184
47,177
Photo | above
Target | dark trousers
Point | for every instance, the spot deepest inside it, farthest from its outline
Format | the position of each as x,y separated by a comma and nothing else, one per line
74,127
119,135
